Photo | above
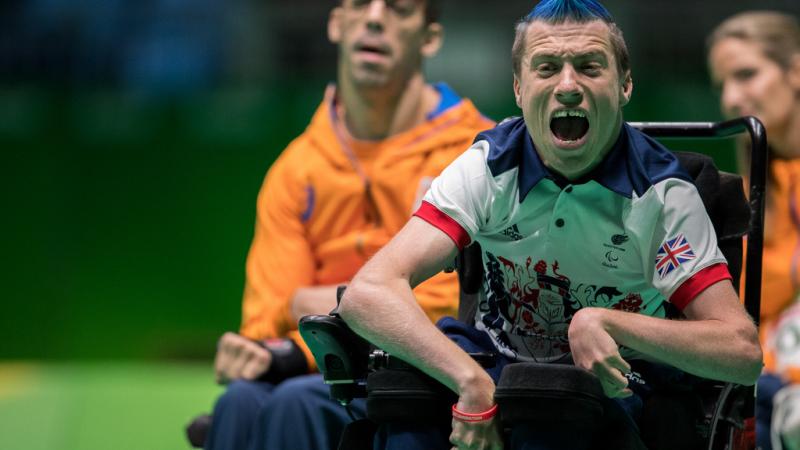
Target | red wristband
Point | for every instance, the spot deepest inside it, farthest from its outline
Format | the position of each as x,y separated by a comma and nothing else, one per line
474,417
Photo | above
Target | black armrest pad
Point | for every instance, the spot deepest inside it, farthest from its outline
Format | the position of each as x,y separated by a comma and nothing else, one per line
407,396
533,392
551,379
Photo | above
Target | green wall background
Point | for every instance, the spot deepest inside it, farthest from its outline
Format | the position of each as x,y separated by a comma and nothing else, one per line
126,226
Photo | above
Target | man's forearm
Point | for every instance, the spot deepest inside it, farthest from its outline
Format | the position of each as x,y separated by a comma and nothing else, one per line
387,315
707,348
313,300
380,306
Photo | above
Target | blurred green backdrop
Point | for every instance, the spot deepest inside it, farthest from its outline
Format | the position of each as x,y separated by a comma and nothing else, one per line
134,136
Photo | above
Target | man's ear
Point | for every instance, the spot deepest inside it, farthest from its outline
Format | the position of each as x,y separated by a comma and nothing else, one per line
434,36
517,95
627,89
335,25
794,72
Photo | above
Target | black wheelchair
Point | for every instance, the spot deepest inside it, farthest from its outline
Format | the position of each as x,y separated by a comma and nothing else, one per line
704,415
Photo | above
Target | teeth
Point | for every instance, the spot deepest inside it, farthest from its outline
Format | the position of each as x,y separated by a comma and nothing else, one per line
569,113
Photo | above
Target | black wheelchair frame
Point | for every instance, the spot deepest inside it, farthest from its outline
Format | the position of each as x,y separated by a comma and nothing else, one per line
755,235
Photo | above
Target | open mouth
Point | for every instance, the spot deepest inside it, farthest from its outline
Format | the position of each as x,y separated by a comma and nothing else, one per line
569,125
372,49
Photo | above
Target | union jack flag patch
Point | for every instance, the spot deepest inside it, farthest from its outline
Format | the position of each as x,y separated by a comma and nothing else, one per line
672,254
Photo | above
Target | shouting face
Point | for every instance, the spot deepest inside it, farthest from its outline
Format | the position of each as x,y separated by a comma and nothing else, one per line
571,94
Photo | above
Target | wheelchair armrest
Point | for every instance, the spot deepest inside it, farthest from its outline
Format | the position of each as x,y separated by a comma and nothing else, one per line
529,392
197,430
342,356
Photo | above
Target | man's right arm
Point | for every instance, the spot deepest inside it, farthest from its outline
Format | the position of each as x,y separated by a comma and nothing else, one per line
280,259
379,305
279,264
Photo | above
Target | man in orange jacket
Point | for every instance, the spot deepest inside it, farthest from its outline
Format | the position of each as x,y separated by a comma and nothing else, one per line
336,195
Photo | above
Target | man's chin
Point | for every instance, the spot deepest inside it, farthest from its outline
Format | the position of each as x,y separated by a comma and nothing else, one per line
571,168
370,80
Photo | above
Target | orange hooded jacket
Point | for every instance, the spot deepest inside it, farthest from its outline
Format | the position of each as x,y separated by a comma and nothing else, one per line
317,224
781,271
781,263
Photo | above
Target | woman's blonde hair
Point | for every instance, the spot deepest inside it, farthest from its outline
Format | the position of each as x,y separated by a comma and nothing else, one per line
778,34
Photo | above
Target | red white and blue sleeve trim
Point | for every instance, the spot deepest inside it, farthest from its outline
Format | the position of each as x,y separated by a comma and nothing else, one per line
447,224
699,282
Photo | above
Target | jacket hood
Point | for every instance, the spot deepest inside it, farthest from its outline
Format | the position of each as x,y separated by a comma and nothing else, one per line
459,122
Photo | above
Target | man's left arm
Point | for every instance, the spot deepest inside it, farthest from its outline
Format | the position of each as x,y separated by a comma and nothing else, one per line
717,340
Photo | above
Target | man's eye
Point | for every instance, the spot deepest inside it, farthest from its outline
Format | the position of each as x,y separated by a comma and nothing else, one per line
744,74
402,7
546,69
591,69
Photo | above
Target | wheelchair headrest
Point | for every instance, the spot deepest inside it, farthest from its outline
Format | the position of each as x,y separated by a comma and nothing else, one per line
722,194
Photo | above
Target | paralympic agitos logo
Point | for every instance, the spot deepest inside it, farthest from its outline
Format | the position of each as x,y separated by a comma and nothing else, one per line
611,256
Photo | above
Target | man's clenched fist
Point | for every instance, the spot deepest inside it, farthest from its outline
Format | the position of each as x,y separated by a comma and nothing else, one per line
240,358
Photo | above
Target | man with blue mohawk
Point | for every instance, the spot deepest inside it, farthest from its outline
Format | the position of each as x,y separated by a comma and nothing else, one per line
588,229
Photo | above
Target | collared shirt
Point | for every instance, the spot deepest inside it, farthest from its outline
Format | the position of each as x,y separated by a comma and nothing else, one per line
630,235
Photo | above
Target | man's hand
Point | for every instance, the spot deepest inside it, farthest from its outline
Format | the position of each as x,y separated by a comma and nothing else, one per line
476,436
485,435
786,417
240,358
595,350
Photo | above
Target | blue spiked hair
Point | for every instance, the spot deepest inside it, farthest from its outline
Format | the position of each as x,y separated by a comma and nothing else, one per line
577,10
581,11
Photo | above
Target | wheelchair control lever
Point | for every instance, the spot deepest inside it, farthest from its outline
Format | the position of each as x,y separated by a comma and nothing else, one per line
341,354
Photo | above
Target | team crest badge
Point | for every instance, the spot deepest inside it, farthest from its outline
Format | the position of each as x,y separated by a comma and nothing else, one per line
672,254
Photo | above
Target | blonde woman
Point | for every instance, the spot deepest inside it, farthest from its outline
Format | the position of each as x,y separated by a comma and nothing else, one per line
754,58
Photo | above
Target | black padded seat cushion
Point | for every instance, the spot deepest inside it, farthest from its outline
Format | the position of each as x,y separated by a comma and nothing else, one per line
397,395
565,399
548,392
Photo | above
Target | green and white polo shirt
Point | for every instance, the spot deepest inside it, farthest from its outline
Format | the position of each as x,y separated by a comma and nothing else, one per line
631,235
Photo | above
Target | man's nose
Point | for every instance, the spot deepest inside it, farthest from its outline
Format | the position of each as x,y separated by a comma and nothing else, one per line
376,15
568,92
731,99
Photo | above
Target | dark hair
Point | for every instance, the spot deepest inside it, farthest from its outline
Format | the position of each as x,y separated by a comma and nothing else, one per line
580,11
433,11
